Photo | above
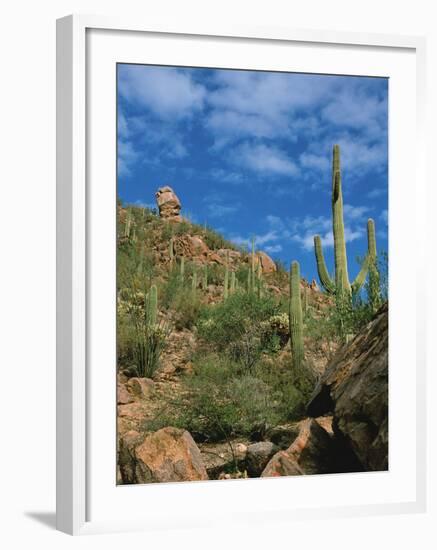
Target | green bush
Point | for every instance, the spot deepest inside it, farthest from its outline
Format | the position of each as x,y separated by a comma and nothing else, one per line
236,326
187,307
219,402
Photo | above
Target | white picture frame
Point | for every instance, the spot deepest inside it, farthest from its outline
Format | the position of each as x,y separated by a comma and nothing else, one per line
74,289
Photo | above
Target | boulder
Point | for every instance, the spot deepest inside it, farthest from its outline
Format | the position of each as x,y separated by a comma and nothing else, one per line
311,452
140,387
170,454
168,204
314,285
267,264
123,396
354,388
126,456
258,455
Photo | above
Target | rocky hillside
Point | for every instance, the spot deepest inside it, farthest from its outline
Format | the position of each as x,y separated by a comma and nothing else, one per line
205,384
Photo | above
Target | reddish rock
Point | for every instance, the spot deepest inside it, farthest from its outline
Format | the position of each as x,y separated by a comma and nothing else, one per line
170,454
314,285
228,255
354,388
140,387
312,452
168,204
191,247
123,396
267,264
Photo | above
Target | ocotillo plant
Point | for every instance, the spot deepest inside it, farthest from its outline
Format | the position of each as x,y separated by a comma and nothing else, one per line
295,317
152,306
341,281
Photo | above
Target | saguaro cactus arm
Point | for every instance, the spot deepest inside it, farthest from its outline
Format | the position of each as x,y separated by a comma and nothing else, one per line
369,260
361,277
326,281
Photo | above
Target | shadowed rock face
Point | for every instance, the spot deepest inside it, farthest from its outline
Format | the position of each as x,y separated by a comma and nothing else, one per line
354,388
168,204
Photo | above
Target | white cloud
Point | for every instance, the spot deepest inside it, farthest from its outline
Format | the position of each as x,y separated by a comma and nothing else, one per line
226,176
126,157
168,92
264,159
384,216
302,231
260,240
219,210
273,249
354,107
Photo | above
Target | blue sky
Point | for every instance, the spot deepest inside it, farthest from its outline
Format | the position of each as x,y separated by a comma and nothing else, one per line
249,153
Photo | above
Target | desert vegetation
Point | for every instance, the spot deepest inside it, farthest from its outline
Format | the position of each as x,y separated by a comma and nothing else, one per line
219,341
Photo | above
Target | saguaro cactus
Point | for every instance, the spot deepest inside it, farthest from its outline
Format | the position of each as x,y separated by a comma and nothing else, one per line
373,289
205,278
341,280
182,268
295,317
226,283
233,282
194,281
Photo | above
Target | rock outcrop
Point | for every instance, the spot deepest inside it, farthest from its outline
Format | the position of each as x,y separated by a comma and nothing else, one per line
191,247
170,454
267,264
354,388
168,204
311,452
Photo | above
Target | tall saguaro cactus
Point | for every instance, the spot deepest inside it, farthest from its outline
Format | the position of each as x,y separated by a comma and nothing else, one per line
373,288
182,269
226,282
295,317
341,280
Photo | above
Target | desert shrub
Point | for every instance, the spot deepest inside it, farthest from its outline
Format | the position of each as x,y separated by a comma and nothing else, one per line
235,326
187,307
275,331
220,402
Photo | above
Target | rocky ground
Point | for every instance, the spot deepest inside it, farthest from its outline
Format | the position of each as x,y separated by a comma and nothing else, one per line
346,429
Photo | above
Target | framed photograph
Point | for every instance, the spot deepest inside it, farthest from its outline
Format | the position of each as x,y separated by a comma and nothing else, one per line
240,319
